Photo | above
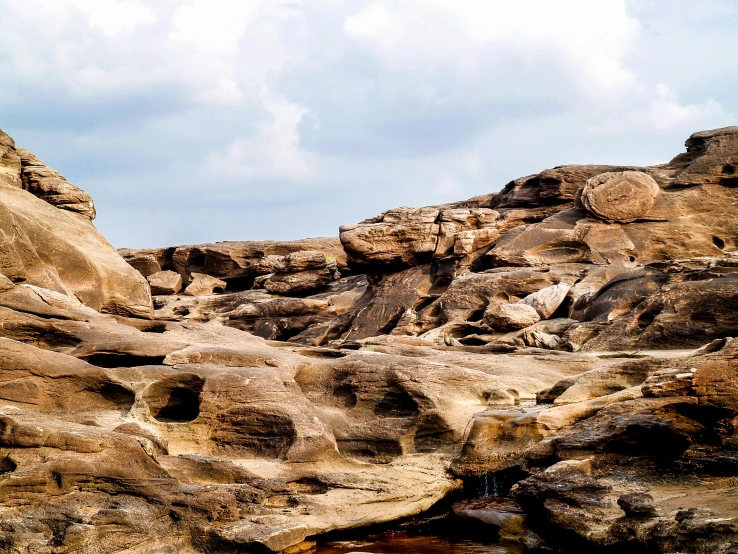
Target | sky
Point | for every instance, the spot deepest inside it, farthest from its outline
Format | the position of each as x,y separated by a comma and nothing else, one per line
193,121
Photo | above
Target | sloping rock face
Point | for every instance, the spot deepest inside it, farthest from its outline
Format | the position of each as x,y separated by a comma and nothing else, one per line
48,240
567,338
52,187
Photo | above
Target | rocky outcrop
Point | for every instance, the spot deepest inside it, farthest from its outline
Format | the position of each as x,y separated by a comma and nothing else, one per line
52,187
566,340
236,263
193,435
204,285
59,249
651,471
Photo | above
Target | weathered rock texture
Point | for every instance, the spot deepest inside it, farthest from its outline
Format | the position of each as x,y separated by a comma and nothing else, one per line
48,241
571,331
238,263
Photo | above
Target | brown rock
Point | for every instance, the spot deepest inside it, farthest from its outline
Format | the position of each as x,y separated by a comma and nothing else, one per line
62,251
403,236
619,197
237,263
557,186
204,285
509,317
165,282
300,283
52,187
10,164
547,300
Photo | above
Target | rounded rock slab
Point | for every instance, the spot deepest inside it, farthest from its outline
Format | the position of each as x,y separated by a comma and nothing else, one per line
618,197
510,317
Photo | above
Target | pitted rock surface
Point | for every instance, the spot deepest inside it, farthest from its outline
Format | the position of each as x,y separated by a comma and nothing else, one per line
579,356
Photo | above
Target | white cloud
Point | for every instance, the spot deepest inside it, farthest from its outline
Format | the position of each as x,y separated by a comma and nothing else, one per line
584,38
364,105
111,17
213,26
273,153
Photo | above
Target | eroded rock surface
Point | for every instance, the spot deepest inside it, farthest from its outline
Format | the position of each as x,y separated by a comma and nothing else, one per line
568,336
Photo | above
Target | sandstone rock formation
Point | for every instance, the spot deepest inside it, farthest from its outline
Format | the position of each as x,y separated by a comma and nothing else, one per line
59,249
618,197
237,263
52,187
204,285
566,339
165,282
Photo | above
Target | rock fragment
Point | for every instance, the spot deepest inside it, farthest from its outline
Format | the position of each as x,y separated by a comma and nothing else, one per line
165,282
547,300
510,317
619,197
204,285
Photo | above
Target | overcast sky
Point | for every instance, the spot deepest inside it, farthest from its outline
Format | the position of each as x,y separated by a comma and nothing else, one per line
203,120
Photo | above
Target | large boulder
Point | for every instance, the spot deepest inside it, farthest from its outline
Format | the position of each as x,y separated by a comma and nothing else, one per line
48,240
509,317
165,282
620,197
62,251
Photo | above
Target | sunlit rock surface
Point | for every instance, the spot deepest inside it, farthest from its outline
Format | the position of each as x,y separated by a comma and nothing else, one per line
572,330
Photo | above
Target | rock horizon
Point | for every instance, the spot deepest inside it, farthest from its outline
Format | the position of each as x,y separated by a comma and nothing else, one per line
568,339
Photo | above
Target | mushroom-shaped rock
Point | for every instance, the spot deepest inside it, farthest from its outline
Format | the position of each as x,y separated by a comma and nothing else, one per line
618,197
203,285
510,317
547,300
165,282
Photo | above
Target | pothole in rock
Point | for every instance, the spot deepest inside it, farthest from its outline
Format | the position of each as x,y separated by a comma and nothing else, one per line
118,395
7,465
175,399
260,433
309,485
396,403
322,353
117,359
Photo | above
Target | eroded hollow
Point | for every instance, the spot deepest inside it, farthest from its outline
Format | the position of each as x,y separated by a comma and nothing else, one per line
396,403
717,241
118,395
117,359
432,434
263,434
322,353
345,396
648,316
175,399
378,451
7,465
